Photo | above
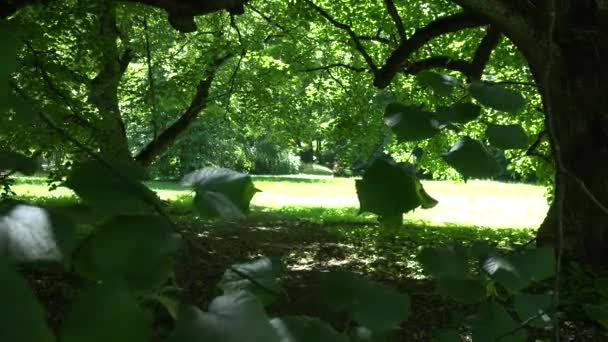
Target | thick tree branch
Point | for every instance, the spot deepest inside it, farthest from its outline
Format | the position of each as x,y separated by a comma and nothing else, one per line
392,11
351,33
483,52
395,62
181,12
198,103
515,21
443,62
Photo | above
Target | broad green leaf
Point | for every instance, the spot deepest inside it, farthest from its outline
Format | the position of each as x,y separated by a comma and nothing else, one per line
494,324
136,249
497,97
30,233
234,317
113,186
375,306
519,271
538,263
507,136
529,306
446,335
410,123
449,262
471,159
598,313
441,84
459,113
466,291
21,315
389,189
263,272
13,161
506,271
305,329
107,312
364,334
221,192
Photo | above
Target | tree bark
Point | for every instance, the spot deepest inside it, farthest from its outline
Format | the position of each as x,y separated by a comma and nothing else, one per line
578,108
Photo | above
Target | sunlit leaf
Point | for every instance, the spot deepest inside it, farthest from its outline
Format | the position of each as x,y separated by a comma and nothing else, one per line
234,317
21,315
221,192
31,233
471,159
497,97
410,123
258,277
107,312
507,136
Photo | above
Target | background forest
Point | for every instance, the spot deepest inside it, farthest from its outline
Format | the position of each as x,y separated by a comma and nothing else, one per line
164,119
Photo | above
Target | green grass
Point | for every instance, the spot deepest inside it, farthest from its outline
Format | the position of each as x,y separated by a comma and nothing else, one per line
476,203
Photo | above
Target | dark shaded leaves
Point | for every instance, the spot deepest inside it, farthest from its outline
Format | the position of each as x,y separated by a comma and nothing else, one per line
258,277
410,123
497,97
507,136
471,159
441,84
305,329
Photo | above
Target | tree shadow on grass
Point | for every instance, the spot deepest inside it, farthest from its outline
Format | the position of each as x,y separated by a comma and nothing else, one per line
309,247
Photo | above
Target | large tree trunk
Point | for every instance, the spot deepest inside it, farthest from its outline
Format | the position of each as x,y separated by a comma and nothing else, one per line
577,102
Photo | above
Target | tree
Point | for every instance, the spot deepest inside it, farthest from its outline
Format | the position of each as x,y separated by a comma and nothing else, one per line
562,43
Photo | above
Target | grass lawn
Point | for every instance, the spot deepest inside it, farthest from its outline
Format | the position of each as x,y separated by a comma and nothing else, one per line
475,203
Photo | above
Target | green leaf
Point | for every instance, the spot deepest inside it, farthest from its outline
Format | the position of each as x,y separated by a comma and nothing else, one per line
471,159
528,306
466,291
441,84
449,262
598,313
113,186
107,312
30,233
136,249
494,324
459,113
519,271
410,123
13,161
21,315
497,97
8,57
446,335
263,272
364,334
305,329
221,192
426,201
389,189
375,306
234,317
507,136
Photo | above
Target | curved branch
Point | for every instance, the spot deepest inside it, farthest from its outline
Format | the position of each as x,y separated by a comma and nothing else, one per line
484,51
349,30
394,63
198,103
443,62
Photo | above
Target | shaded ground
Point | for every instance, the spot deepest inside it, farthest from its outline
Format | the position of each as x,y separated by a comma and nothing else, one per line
307,248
